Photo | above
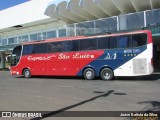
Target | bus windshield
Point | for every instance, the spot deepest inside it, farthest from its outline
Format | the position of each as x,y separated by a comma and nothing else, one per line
15,57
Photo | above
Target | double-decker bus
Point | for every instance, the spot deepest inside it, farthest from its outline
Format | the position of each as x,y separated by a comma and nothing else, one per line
104,56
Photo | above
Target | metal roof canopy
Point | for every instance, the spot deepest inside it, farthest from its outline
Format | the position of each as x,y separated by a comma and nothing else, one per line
72,11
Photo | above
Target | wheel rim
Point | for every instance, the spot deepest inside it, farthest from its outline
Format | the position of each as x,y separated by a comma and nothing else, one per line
89,74
27,73
106,75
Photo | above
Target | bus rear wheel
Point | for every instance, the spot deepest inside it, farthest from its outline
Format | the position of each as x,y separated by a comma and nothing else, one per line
89,74
26,73
106,74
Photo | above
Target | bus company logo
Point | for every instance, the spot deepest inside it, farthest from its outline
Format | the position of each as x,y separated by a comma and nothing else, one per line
30,58
63,56
80,56
111,57
76,56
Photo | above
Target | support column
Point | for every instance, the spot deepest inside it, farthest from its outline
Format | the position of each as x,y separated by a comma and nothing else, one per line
2,59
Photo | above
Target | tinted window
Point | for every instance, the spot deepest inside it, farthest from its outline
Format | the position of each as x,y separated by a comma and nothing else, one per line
17,50
70,46
55,47
113,42
88,44
75,45
40,48
139,40
25,50
16,55
28,49
67,46
103,43
123,42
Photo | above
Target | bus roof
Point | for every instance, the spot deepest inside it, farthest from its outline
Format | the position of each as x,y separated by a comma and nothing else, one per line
82,37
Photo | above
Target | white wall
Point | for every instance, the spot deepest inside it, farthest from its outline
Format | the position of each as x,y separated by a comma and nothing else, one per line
24,13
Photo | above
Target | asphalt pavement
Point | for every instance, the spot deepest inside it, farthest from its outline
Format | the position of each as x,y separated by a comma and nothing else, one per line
76,94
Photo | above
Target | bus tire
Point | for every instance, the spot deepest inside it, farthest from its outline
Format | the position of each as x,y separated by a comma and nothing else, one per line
106,74
89,74
27,73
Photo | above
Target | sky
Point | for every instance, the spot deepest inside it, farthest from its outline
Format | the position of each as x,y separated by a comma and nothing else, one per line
4,4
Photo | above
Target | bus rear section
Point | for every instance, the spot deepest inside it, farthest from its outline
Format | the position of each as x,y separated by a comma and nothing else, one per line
106,56
140,57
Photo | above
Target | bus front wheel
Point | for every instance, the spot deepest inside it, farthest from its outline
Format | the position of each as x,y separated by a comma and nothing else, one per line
27,73
106,74
89,74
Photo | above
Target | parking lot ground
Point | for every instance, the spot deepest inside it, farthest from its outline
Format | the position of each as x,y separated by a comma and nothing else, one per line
76,94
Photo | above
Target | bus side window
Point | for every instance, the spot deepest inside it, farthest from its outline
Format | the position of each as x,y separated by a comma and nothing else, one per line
31,49
28,49
123,42
88,44
55,47
40,48
139,40
103,43
25,50
67,46
75,45
113,42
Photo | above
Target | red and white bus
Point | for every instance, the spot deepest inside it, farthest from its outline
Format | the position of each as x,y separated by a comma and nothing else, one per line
104,56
